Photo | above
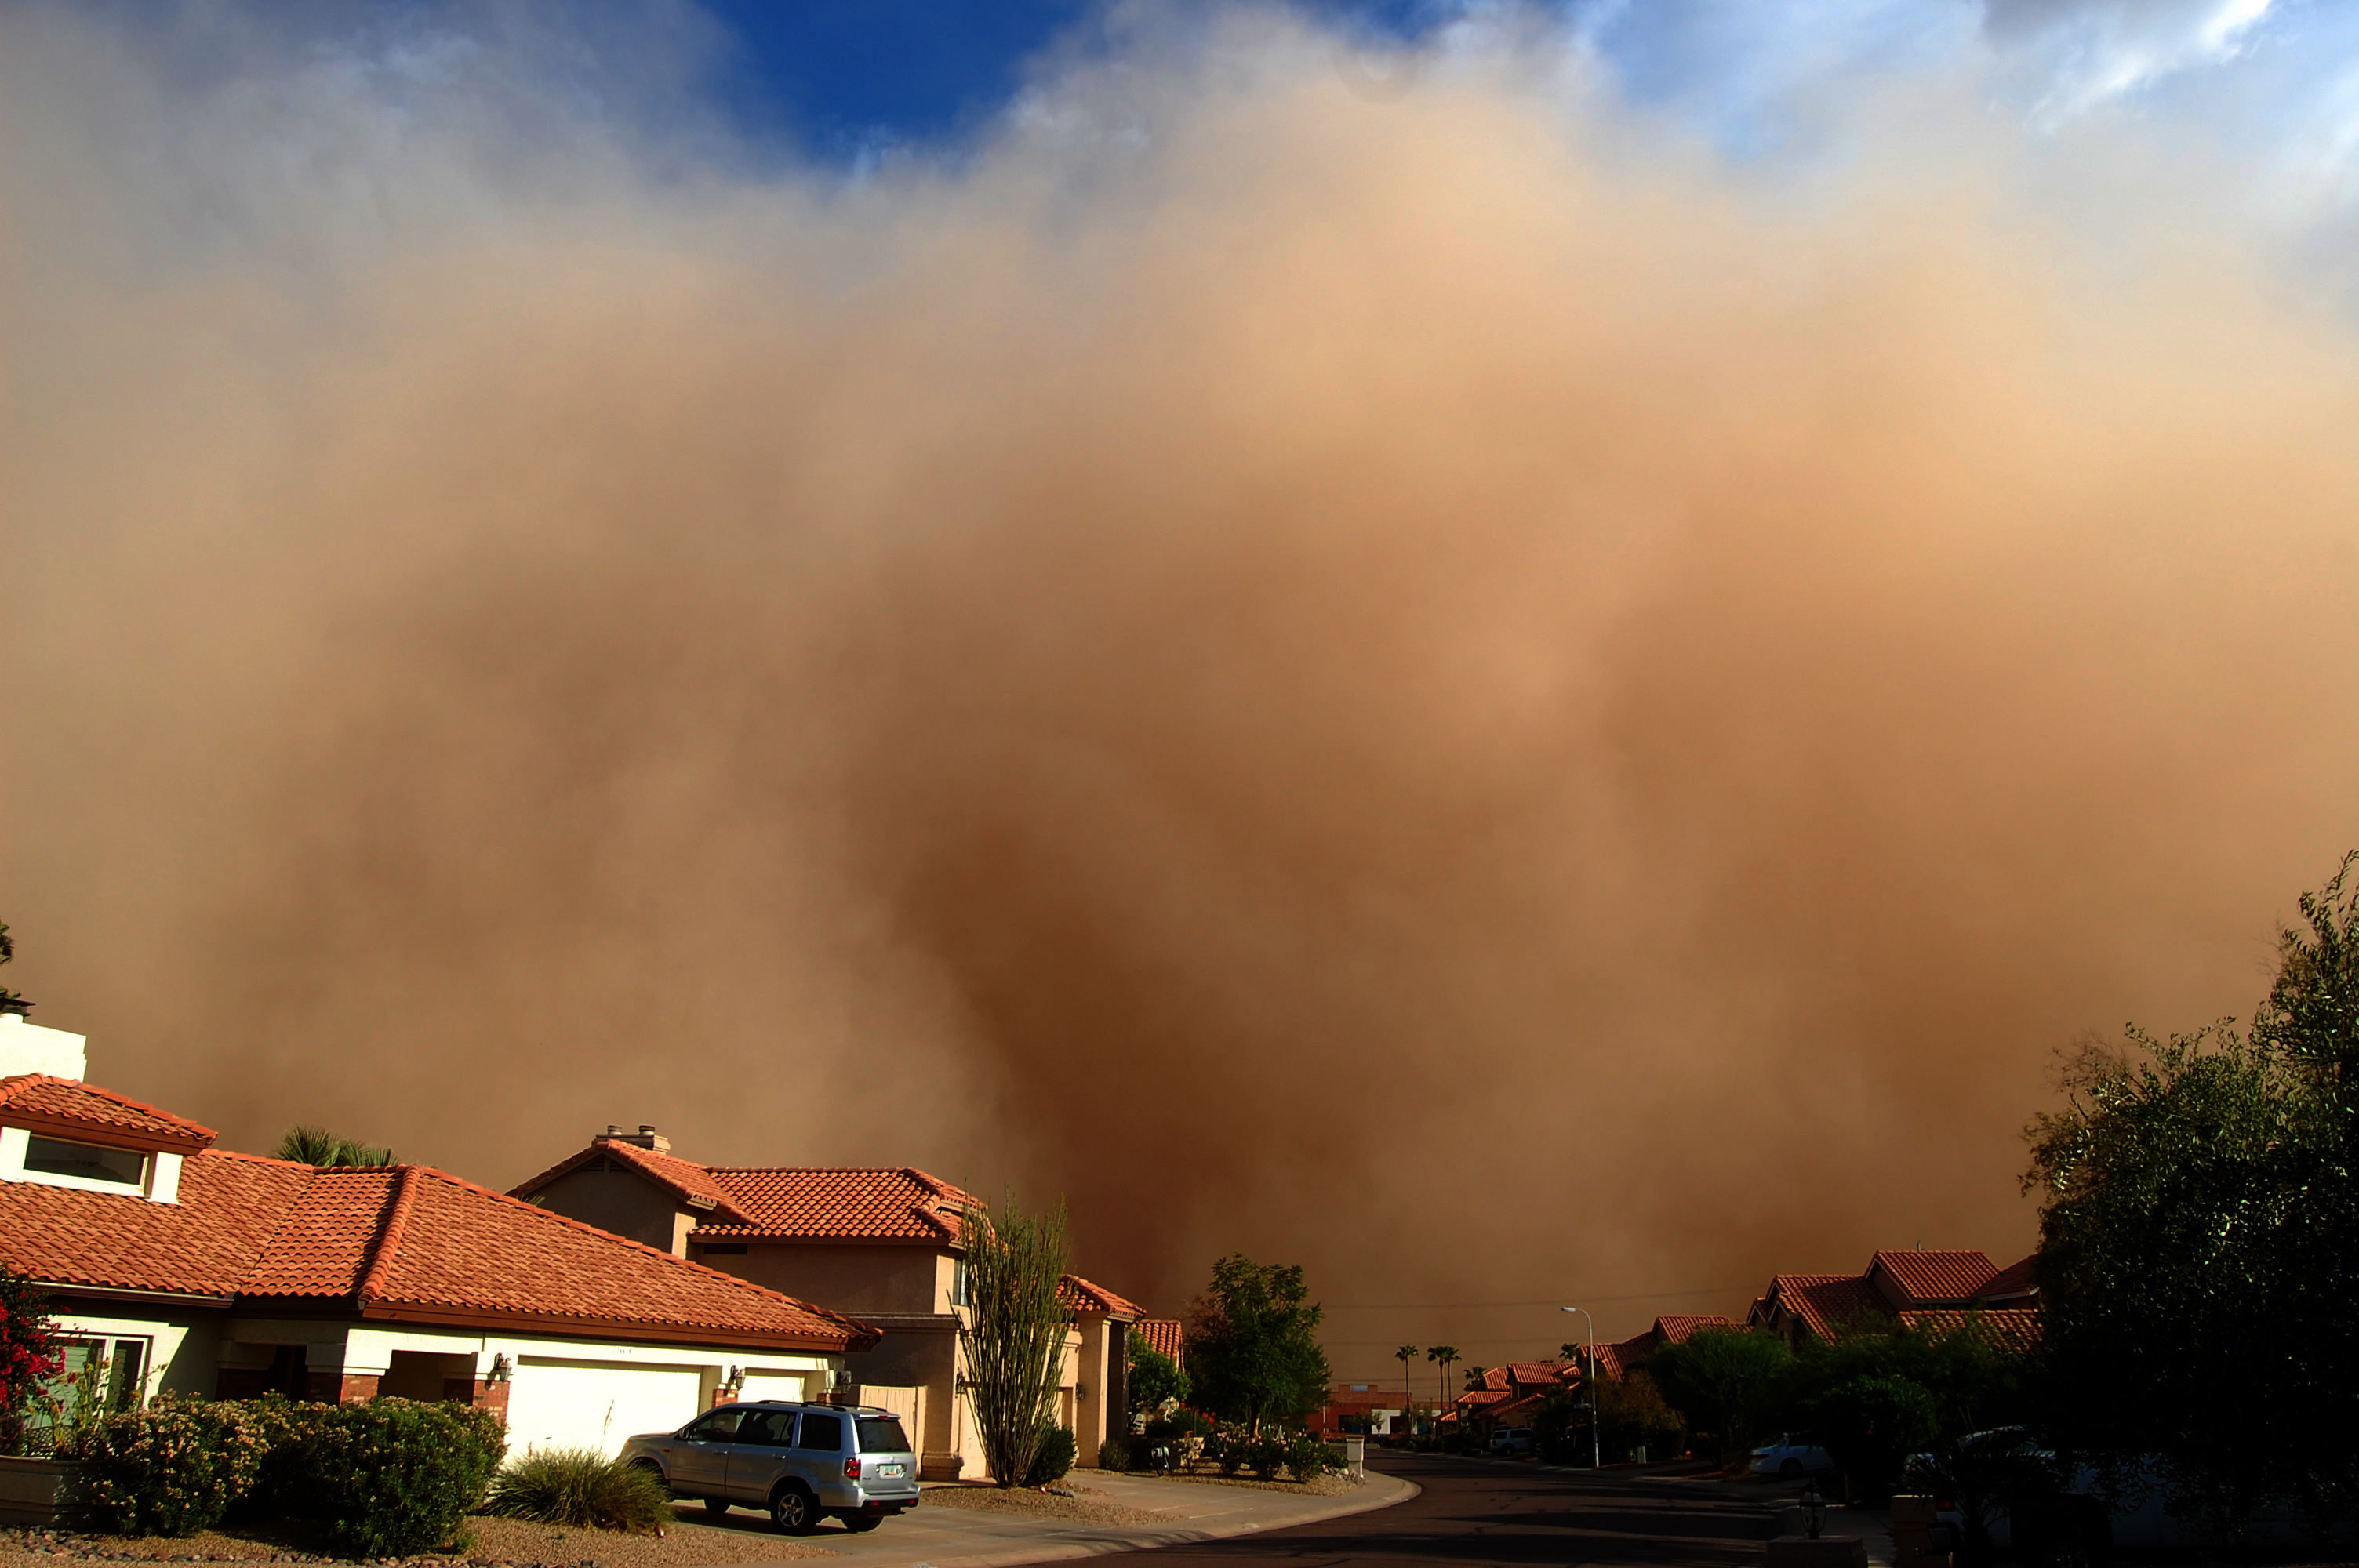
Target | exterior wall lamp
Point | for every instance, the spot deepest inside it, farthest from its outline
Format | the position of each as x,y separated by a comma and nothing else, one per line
501,1369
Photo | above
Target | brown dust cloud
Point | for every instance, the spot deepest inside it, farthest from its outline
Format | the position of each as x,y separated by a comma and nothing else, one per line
1384,663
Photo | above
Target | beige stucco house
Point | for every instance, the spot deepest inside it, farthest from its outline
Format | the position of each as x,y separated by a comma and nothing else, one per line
882,1244
193,1268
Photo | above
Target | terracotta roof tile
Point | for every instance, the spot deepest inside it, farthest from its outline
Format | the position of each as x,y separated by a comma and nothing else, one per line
2018,1282
1542,1373
1164,1335
331,1230
1675,1330
1937,1279
1082,1296
1480,1399
70,1108
905,1205
203,1245
466,1248
1826,1303
2018,1328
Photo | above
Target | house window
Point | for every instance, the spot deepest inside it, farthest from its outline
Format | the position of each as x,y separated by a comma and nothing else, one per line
960,1295
125,1168
97,1377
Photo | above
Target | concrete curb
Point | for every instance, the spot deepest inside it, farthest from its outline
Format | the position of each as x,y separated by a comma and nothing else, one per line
1080,1541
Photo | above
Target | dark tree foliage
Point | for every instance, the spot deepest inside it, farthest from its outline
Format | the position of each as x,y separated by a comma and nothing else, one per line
8,954
1879,1390
1253,1344
1153,1377
2198,1229
1727,1383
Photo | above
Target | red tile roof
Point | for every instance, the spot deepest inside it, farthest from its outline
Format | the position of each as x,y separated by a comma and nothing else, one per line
401,1242
1542,1373
2017,1326
66,1108
1082,1296
2018,1282
1479,1397
1825,1302
1164,1336
1936,1278
1675,1330
206,1244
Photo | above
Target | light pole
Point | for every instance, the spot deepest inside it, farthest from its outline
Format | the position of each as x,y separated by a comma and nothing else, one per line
1589,1376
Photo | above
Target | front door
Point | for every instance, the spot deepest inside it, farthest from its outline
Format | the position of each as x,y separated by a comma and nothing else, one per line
698,1456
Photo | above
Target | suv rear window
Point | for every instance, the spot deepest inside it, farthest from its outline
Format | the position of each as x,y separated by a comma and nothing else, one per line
821,1432
882,1435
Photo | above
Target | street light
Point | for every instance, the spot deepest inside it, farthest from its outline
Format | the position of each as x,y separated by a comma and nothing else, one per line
1596,1461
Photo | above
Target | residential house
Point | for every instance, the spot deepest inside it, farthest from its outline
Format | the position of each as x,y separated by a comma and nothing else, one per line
1940,1287
1360,1407
1625,1357
195,1270
1510,1394
883,1244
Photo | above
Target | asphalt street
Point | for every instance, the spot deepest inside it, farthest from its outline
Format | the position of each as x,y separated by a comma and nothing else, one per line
1475,1513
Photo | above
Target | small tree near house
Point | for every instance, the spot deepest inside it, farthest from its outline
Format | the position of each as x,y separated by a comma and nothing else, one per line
1253,1344
29,1355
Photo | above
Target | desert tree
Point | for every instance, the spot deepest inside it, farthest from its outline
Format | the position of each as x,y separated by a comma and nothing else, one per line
1253,1344
1015,1334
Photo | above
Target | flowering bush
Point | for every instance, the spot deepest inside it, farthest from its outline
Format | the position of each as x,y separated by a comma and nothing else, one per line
171,1469
28,1353
394,1477
391,1477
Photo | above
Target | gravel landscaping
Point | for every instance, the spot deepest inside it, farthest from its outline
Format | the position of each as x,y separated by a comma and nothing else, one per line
1075,1508
499,1543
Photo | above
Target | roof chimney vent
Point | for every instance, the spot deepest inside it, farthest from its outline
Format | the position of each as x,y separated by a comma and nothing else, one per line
646,1138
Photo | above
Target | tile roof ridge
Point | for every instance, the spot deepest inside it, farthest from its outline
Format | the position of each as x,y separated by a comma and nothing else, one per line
388,1244
262,1160
10,1087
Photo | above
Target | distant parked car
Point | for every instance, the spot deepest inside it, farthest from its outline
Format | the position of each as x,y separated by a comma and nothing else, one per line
1512,1439
1792,1457
798,1461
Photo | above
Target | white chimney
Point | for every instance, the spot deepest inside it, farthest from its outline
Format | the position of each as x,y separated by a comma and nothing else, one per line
30,1048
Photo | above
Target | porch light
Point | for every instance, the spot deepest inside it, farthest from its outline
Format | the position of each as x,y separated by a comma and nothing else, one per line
501,1369
735,1380
1814,1509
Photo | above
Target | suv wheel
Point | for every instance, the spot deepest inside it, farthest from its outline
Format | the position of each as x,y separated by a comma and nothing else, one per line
860,1523
793,1511
716,1504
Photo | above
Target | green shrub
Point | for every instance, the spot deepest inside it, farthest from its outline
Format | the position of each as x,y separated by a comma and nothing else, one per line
1308,1457
1059,1449
394,1477
1266,1454
283,1433
1114,1455
579,1487
171,1469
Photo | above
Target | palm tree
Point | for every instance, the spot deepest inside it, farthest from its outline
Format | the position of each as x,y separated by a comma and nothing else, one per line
1405,1355
1445,1356
317,1146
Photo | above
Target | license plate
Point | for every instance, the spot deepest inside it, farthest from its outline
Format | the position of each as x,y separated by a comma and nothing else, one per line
888,1469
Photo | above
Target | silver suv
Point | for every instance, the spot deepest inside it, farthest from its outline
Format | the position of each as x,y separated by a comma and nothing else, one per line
799,1462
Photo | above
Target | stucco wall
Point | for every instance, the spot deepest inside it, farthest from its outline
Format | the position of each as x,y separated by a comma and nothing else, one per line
621,1202
848,1279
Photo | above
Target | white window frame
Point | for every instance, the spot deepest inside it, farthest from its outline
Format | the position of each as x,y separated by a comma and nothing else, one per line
159,1170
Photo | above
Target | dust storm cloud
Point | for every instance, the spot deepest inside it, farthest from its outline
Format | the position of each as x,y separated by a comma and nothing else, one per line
1442,683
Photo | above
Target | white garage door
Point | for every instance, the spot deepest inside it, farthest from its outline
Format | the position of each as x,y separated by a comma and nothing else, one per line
596,1404
761,1384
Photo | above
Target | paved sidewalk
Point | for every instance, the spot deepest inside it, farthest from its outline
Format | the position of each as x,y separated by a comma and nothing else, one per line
959,1537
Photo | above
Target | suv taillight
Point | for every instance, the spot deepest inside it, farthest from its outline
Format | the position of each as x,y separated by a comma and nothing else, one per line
852,1469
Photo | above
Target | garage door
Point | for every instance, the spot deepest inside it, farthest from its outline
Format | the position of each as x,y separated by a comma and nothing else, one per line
761,1384
596,1404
